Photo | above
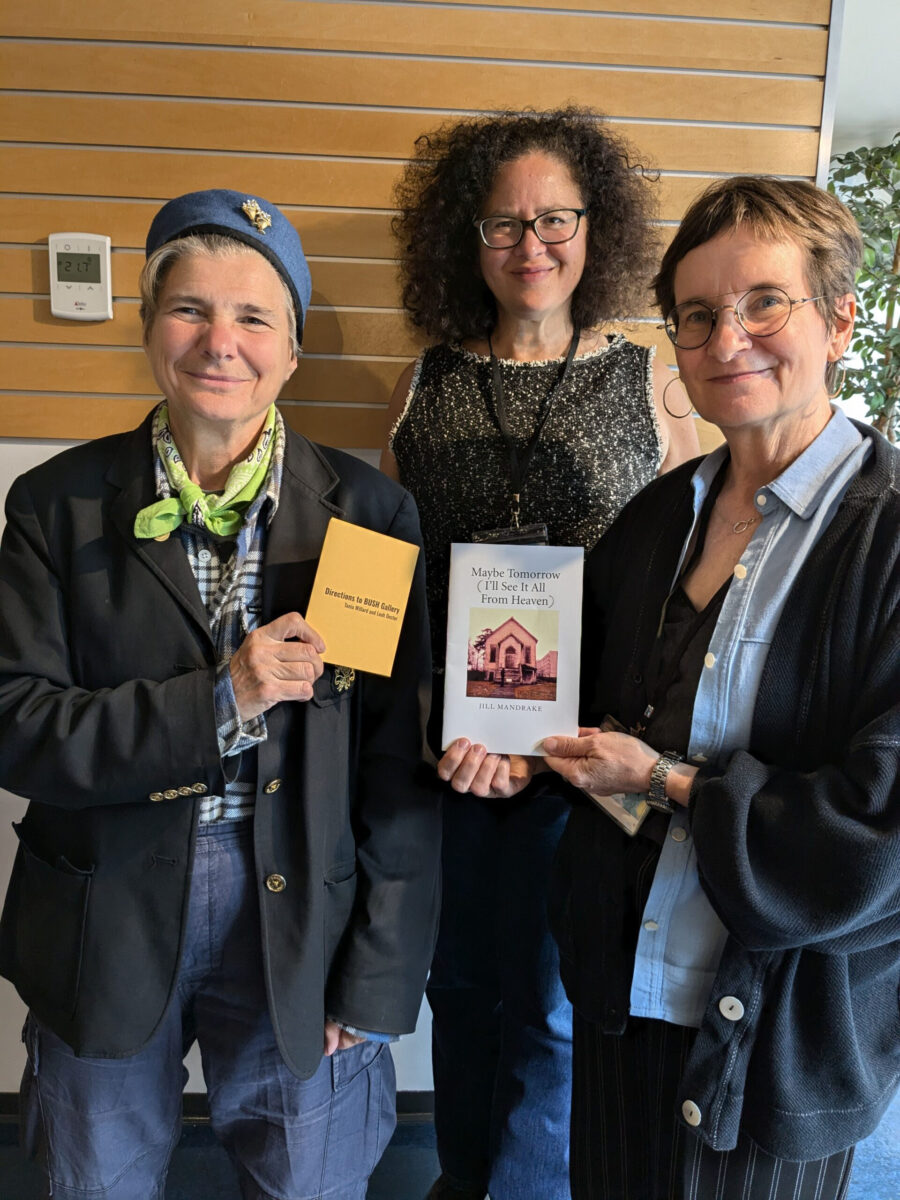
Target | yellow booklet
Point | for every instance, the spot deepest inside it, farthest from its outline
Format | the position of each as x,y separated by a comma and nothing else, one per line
360,594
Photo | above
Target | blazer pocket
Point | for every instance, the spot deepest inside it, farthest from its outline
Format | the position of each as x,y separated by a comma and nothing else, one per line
51,913
339,897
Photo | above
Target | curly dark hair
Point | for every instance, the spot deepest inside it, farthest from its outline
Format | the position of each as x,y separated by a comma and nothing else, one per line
442,191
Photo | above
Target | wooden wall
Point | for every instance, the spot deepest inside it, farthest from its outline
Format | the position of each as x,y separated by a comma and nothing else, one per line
108,109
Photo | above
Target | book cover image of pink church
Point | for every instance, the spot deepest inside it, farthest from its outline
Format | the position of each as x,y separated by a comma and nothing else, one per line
512,656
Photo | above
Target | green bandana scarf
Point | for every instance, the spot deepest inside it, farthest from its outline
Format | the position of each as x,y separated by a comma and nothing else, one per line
220,514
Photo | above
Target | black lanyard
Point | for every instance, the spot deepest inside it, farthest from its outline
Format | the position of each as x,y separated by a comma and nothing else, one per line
520,466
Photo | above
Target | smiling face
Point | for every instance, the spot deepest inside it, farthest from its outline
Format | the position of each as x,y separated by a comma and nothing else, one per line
533,281
737,380
220,341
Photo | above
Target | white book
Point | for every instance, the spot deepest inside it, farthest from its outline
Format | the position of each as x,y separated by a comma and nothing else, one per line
513,645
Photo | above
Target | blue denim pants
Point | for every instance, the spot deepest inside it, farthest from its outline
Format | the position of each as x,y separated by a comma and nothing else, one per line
502,1030
105,1128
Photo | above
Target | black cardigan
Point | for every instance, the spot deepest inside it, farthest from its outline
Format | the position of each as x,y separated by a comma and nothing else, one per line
797,838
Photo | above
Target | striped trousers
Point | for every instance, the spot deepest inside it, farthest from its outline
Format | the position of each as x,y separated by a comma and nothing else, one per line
628,1145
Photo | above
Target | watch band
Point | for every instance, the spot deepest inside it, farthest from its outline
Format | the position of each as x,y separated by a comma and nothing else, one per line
656,797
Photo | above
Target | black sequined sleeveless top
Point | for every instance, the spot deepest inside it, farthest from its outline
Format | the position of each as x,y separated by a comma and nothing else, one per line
601,444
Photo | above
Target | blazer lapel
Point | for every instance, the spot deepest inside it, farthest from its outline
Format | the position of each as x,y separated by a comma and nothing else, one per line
298,528
294,539
133,475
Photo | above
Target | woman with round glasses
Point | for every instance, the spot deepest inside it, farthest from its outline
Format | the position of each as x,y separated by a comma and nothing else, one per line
522,237
761,311
735,966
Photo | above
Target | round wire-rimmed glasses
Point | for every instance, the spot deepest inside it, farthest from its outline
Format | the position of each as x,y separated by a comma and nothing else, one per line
552,227
760,312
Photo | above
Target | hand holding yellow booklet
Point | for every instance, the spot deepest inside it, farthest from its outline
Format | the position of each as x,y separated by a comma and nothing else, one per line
360,594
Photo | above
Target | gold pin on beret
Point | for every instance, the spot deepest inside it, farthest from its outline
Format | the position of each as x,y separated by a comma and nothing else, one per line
255,215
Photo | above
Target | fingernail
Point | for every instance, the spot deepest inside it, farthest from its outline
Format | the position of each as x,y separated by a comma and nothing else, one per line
549,744
462,743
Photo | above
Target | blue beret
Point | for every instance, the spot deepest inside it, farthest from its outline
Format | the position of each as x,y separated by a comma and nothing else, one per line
248,219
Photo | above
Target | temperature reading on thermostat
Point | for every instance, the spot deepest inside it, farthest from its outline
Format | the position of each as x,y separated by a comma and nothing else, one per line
83,267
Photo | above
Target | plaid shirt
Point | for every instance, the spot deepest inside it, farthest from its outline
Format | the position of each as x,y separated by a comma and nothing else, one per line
231,591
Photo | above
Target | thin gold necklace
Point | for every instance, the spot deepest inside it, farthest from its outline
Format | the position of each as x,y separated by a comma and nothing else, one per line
738,526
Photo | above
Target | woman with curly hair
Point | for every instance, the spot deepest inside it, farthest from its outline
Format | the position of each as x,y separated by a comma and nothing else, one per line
522,236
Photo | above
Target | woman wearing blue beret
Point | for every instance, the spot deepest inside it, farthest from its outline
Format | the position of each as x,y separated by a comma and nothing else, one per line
216,846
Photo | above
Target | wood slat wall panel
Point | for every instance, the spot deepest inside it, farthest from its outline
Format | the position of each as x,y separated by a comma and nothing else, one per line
359,284
327,331
813,11
272,17
125,371
460,86
116,369
361,133
339,233
111,108
76,417
336,285
390,29
66,171
343,282
51,169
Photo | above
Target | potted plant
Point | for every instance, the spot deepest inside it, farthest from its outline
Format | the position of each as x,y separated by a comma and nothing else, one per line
868,182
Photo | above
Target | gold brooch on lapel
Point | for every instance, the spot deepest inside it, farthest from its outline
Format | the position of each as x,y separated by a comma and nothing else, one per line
344,678
256,216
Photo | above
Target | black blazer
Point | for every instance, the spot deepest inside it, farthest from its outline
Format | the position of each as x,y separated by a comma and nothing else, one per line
107,671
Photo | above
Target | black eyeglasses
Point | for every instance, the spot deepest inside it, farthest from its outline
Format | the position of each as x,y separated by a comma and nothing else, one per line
557,225
760,312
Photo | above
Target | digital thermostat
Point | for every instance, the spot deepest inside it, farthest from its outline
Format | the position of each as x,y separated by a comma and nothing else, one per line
79,276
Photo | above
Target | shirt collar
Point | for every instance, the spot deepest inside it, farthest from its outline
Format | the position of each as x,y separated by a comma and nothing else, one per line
803,485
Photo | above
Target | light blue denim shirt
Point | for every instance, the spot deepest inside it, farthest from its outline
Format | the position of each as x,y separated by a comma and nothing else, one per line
681,939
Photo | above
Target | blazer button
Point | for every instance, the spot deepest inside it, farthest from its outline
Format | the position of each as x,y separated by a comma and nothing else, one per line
185,791
272,786
276,883
199,788
691,1113
156,796
170,794
731,1008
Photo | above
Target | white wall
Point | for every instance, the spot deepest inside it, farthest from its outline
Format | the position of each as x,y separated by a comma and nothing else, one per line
412,1055
867,104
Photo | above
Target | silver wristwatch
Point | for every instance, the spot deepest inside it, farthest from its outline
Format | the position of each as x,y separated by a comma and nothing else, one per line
657,797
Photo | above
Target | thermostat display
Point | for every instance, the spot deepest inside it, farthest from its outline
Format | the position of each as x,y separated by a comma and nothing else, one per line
80,286
82,268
